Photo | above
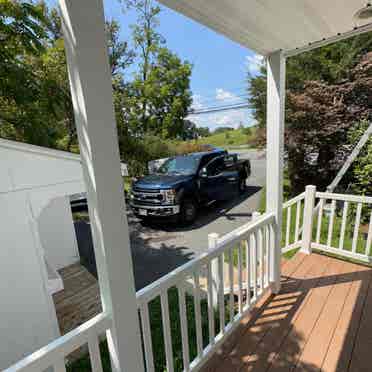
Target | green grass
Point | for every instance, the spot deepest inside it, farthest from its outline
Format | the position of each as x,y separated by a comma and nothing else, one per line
349,231
228,139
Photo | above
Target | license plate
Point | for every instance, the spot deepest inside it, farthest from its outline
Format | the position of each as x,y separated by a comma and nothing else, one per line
143,212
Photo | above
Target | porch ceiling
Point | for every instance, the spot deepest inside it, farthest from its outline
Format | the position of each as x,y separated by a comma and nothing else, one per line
266,26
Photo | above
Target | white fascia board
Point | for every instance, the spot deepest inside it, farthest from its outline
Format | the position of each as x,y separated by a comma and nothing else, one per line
25,147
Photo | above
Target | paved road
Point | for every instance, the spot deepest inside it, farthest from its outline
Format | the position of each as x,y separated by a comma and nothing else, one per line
159,248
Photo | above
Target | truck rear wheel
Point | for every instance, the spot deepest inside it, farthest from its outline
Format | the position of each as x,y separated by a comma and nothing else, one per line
242,185
188,211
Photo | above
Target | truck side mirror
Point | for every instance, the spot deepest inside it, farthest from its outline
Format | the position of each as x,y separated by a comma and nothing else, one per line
203,172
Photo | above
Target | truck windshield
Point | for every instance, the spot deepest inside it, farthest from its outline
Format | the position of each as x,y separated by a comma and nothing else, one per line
184,165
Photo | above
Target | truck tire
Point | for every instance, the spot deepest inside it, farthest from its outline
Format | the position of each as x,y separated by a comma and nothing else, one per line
188,211
242,184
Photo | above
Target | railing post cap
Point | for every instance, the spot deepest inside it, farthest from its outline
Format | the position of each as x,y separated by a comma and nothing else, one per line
213,236
310,187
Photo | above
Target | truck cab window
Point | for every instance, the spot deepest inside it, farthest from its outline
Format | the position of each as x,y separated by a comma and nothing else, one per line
215,167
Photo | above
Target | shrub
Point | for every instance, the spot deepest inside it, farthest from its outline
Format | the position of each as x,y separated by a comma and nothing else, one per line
188,147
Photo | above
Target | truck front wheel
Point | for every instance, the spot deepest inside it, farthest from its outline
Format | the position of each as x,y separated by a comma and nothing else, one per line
188,211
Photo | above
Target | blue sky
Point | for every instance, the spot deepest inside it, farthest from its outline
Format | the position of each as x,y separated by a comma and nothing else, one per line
219,65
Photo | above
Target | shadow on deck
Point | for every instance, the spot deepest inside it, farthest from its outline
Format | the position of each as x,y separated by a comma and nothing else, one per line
320,321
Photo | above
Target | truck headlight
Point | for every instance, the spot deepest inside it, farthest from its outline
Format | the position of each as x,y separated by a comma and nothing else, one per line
169,195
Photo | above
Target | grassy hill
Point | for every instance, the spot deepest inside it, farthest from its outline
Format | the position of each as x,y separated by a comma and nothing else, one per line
232,138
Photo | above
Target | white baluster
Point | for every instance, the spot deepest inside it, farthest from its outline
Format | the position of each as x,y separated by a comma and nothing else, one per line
94,353
267,241
288,227
331,223
184,329
199,334
240,285
221,295
369,237
261,253
248,267
254,263
210,306
212,244
298,214
320,217
167,330
343,225
147,341
231,284
356,227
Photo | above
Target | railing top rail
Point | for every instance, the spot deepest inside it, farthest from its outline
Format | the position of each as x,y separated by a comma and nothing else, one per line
152,290
294,200
242,231
345,197
47,356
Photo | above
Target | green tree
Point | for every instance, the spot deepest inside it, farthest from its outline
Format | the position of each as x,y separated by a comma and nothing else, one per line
319,84
361,172
23,28
120,55
203,131
330,64
318,120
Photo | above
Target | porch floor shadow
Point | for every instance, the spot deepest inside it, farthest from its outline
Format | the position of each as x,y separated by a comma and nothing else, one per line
320,321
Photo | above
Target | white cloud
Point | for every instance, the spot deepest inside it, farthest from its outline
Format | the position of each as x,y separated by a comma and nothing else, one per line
197,102
229,118
224,95
254,63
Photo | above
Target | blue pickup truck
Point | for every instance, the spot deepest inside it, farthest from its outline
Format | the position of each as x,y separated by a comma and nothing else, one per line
183,184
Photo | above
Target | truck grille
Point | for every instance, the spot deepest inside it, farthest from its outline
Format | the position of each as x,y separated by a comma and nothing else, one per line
147,196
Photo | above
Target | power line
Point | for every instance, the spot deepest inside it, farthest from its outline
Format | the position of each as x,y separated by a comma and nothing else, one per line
235,91
229,95
235,97
219,109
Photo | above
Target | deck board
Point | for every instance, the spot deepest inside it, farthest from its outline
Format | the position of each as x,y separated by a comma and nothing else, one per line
229,358
341,346
266,351
320,321
321,335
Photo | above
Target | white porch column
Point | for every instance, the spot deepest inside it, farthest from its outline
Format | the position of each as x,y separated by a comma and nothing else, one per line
91,89
274,157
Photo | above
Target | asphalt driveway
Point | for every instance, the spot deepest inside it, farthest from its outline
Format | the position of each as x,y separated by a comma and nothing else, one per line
159,248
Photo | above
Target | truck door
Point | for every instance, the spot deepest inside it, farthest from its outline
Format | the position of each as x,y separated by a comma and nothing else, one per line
216,182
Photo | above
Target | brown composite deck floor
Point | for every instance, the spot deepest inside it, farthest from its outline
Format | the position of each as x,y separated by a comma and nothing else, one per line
320,321
79,301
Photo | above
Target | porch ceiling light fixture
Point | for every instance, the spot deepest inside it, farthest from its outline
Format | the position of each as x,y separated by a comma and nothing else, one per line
363,15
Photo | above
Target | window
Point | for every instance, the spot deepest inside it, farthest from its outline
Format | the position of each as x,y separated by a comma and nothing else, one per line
215,167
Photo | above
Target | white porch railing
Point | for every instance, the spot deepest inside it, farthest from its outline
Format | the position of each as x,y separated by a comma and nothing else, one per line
335,225
293,222
250,245
53,355
323,221
338,228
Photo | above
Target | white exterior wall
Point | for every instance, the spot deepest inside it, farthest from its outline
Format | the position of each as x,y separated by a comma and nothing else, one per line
33,224
27,319
57,233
